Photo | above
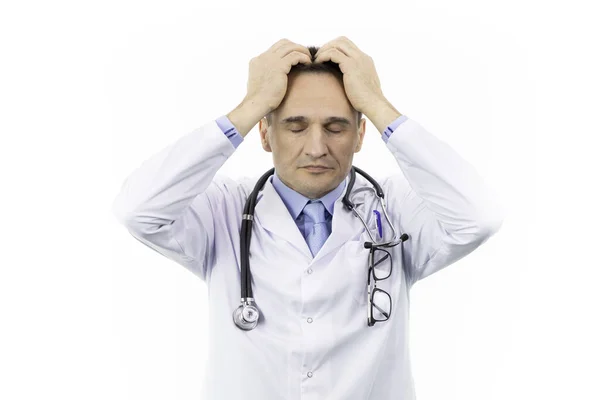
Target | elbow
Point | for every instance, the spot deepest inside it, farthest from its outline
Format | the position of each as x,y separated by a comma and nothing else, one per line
119,212
139,222
475,229
489,221
123,213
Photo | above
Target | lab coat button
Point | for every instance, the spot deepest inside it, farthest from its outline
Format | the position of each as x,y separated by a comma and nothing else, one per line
309,320
309,271
309,374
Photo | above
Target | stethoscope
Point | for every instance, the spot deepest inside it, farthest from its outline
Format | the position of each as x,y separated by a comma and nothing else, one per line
246,315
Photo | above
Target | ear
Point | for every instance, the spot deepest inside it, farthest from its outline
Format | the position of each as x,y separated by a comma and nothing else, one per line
264,137
361,134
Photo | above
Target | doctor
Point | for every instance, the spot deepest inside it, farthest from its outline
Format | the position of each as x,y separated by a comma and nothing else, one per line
331,312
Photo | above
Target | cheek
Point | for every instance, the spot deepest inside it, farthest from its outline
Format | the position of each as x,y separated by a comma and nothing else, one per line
346,152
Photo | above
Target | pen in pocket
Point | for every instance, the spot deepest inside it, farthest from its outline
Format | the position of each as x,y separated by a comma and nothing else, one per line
379,227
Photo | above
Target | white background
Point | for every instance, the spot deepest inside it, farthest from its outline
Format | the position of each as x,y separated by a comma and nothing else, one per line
89,90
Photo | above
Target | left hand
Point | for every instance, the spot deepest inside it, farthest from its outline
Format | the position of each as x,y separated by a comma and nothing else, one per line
361,82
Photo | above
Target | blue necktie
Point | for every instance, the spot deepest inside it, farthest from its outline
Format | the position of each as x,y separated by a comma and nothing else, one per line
319,231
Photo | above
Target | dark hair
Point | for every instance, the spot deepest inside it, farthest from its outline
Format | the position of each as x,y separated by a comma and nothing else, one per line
325,67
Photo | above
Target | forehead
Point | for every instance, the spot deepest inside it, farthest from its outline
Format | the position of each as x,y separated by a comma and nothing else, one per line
312,97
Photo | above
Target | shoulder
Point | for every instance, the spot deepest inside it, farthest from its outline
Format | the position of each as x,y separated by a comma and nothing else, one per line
225,189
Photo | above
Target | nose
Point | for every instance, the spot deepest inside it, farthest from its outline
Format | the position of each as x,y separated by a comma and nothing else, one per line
315,144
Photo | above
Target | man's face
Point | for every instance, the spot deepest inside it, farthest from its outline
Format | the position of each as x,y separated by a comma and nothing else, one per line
316,97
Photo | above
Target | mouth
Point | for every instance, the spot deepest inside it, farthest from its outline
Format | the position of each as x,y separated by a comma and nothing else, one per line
317,169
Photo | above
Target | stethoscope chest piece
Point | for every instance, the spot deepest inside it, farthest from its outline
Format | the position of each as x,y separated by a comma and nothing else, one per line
246,315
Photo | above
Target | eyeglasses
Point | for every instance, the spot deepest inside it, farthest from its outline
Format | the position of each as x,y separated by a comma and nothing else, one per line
380,266
380,301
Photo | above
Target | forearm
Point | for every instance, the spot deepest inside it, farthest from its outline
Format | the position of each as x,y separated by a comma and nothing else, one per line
444,204
159,190
449,185
246,115
381,114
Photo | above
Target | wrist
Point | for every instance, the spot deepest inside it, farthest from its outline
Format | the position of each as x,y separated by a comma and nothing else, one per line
382,113
246,115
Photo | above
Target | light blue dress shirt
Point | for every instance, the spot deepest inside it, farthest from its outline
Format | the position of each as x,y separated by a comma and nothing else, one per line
293,200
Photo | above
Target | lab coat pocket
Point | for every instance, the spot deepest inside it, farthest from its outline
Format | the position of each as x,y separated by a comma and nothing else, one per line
357,268
359,265
371,222
358,282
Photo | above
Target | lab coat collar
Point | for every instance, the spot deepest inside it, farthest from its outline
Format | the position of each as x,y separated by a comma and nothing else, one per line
273,215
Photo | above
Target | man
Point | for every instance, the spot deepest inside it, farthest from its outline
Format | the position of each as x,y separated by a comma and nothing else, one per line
327,327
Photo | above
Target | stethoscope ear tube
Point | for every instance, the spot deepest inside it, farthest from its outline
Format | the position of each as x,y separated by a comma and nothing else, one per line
353,170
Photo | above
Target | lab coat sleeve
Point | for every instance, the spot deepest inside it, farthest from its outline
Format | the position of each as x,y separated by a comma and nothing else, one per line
171,201
438,199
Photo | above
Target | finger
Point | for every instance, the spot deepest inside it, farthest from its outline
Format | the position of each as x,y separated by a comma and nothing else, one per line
290,47
334,55
278,45
348,49
325,47
294,58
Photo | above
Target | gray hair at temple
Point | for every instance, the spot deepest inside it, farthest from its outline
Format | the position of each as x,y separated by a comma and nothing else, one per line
325,67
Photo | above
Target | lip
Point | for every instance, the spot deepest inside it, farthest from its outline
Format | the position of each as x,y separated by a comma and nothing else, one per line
317,169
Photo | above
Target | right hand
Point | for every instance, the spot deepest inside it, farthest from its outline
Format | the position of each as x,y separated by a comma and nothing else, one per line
268,73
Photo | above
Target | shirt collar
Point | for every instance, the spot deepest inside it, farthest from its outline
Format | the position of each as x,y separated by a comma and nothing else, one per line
295,201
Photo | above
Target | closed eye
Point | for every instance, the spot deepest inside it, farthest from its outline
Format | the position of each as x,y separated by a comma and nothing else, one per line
300,130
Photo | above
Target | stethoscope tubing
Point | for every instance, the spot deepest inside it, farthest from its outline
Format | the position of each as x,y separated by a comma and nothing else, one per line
246,315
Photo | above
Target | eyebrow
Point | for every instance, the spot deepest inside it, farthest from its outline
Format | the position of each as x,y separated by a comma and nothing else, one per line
329,120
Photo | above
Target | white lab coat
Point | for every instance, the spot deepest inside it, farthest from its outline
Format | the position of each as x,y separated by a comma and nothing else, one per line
312,341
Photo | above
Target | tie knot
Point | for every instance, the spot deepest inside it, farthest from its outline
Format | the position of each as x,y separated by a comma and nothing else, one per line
315,211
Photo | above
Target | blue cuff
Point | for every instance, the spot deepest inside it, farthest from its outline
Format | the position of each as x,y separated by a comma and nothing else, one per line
229,130
392,127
